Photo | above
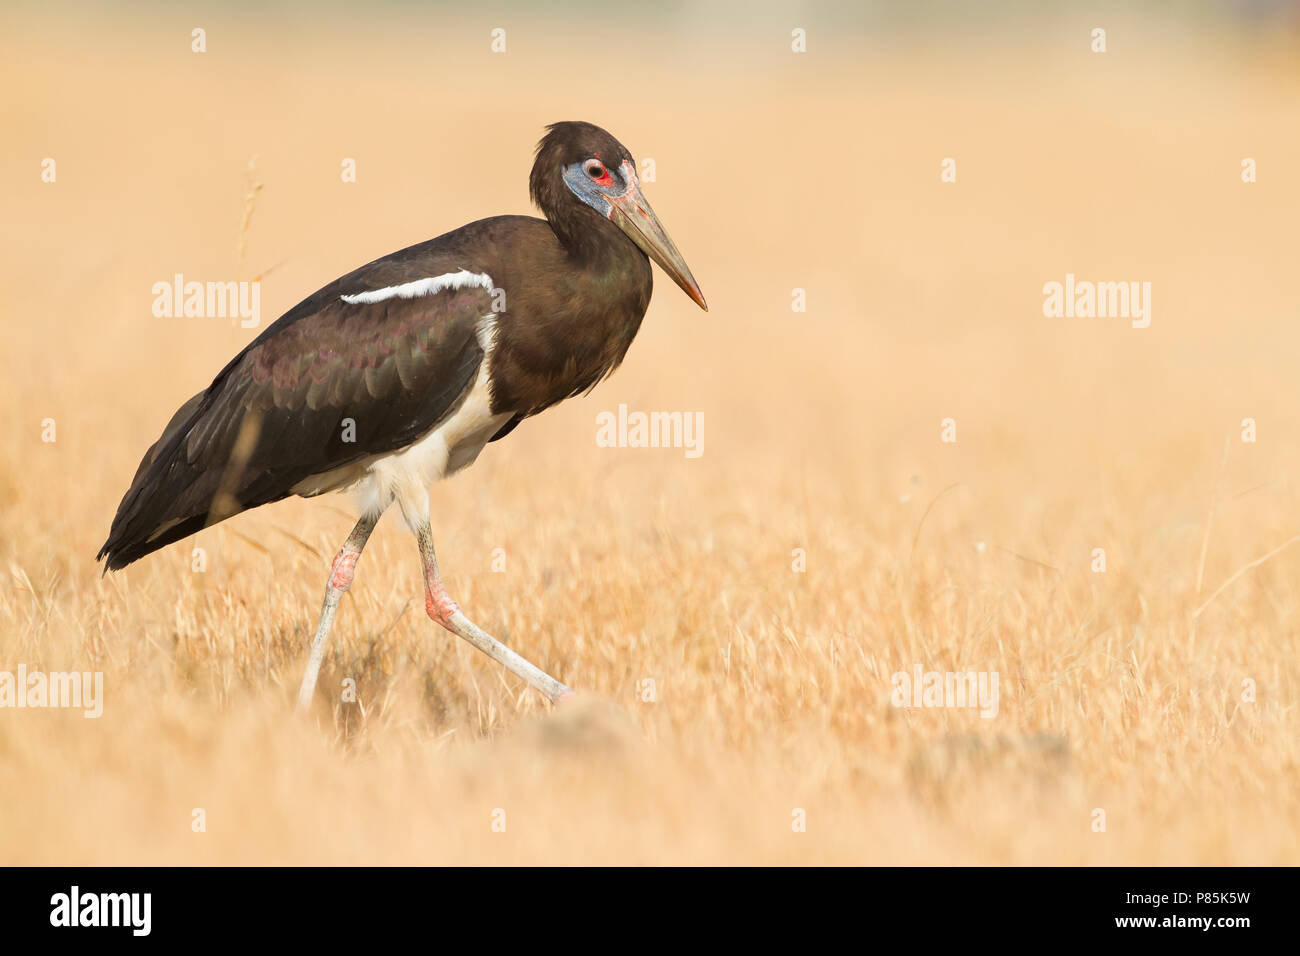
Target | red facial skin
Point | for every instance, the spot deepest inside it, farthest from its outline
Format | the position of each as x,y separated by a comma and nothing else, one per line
605,178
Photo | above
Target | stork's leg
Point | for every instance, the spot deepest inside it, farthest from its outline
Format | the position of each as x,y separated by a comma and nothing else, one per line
345,563
447,612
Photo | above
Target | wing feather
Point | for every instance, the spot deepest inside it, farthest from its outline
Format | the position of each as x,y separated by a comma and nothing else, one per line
395,367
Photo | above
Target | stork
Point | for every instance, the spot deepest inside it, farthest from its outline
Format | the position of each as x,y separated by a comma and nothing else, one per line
400,372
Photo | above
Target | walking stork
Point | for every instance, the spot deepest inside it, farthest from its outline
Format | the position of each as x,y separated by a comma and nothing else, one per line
400,372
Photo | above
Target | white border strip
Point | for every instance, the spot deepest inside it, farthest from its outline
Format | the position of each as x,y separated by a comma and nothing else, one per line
431,286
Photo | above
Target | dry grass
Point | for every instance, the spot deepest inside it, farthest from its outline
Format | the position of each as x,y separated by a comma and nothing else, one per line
822,433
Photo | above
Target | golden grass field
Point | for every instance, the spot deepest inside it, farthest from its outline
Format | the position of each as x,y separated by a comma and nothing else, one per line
775,171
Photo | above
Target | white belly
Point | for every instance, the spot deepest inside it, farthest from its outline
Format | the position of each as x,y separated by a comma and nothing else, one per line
450,446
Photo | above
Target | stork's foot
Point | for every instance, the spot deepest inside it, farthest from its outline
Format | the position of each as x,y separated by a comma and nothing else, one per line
446,612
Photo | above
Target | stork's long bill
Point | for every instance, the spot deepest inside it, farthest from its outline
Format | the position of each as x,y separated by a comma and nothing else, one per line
632,213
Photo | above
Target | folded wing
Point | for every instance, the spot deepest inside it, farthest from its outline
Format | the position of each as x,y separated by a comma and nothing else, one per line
363,367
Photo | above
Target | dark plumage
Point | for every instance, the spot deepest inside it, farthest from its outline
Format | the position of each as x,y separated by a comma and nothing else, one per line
567,296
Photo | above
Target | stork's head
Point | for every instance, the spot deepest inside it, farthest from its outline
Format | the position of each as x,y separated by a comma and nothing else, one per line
585,181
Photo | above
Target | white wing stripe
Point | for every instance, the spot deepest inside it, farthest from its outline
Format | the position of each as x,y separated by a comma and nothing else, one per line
431,286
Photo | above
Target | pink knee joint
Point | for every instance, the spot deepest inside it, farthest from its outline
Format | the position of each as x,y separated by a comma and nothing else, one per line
345,564
439,605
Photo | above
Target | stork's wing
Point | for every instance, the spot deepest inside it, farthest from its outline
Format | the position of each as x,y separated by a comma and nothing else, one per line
364,366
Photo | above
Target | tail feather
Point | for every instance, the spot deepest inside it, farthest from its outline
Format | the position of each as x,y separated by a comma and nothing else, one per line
168,499
124,550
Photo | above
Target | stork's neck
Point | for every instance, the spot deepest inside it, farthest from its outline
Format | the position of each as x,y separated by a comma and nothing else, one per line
591,241
570,322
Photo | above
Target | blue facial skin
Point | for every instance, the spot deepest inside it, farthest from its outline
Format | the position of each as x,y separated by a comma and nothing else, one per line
581,185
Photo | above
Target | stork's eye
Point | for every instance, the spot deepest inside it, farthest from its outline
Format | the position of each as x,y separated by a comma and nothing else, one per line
595,169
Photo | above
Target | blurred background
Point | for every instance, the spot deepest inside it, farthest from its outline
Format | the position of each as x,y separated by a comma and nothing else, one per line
797,148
